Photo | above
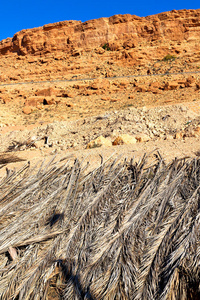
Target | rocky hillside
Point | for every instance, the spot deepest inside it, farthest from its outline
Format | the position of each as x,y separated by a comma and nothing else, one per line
118,32
121,45
93,79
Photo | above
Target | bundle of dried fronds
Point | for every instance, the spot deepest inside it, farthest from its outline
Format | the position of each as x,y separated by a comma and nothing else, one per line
17,146
126,230
7,159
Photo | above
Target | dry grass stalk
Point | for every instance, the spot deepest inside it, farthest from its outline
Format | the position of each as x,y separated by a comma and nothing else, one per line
126,230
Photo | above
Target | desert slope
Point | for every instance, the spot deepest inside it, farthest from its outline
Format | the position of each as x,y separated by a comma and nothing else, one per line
91,79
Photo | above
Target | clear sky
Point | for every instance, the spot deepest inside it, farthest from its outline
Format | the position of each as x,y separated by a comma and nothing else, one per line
16,15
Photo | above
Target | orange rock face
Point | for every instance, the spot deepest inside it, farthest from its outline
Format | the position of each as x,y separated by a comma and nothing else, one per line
116,32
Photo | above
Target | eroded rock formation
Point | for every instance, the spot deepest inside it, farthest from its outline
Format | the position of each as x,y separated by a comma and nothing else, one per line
118,32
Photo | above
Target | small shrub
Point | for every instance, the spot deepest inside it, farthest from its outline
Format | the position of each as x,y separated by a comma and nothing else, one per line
106,47
169,57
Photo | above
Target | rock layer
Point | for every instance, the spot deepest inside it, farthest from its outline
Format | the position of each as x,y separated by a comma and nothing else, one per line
119,31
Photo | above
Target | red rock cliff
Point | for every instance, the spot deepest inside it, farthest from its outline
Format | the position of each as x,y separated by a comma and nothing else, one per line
118,30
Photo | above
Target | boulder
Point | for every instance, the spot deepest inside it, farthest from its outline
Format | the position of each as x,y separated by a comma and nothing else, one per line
154,90
105,98
34,101
141,88
155,84
124,139
45,92
48,101
171,85
169,137
190,80
68,94
39,144
130,43
179,135
99,142
99,50
142,138
27,110
99,84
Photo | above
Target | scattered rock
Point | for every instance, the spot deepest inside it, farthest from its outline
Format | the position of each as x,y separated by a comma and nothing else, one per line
198,85
169,137
6,99
154,90
105,98
190,82
99,142
179,135
69,104
99,50
74,144
69,94
195,132
124,139
48,101
171,85
155,85
45,92
27,110
98,84
141,88
39,143
142,138
33,101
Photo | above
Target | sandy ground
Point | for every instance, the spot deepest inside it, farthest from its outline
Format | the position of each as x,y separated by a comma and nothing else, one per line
167,149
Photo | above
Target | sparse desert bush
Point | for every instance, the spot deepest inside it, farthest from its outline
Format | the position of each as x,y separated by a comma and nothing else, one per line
169,57
126,230
106,47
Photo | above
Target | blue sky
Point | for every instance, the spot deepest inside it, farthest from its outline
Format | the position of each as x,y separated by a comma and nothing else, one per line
16,15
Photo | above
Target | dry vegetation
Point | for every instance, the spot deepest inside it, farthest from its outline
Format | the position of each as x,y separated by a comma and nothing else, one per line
126,230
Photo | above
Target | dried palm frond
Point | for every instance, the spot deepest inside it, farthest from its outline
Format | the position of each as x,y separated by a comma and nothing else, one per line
126,230
6,159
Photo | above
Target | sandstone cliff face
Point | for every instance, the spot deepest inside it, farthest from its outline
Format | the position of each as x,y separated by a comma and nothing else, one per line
125,31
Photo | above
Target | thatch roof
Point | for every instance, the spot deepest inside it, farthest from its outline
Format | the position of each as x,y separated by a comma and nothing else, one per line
126,230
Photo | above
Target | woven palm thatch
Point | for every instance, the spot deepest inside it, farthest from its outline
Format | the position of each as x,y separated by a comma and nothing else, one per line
126,230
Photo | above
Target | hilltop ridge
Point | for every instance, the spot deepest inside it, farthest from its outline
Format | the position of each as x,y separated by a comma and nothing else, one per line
119,31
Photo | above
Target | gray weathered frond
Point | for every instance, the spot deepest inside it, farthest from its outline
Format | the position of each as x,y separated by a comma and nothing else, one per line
125,230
